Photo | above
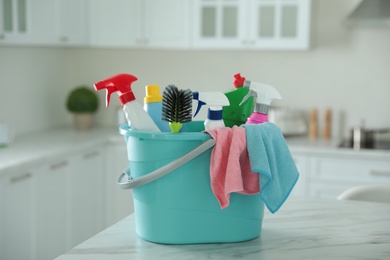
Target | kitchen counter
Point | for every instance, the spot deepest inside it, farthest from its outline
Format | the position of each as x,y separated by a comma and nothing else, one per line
302,229
36,148
330,147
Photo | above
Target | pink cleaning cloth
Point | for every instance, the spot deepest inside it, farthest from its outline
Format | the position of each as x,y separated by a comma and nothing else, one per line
230,169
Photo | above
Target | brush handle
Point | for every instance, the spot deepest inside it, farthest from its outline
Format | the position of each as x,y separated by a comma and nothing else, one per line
160,172
175,126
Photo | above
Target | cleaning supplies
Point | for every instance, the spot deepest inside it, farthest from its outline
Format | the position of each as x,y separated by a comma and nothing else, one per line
264,95
136,116
215,101
235,114
153,106
176,107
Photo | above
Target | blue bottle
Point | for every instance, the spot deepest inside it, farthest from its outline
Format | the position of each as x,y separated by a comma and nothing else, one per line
153,106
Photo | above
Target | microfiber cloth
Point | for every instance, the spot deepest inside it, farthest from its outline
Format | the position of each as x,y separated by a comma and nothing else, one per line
269,155
230,169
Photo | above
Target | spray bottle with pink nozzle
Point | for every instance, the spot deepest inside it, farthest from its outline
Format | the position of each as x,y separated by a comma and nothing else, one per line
264,95
136,116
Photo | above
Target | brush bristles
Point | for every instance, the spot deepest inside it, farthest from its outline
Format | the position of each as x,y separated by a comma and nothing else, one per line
176,105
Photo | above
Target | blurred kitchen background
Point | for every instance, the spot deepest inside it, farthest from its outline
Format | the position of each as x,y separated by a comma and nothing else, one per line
330,61
345,69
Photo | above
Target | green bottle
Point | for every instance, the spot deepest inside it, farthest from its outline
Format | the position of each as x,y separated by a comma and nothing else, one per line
235,114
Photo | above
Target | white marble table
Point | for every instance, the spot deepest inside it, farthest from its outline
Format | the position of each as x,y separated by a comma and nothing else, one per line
302,229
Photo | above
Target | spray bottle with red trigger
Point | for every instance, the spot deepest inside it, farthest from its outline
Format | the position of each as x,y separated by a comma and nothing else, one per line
264,95
136,116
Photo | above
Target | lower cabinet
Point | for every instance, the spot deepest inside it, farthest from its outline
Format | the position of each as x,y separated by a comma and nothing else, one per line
17,215
328,175
87,195
48,209
300,188
119,201
53,209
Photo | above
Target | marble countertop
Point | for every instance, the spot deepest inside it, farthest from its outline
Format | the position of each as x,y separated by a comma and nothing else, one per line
304,228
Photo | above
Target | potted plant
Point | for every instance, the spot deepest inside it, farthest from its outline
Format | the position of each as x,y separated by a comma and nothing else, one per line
83,102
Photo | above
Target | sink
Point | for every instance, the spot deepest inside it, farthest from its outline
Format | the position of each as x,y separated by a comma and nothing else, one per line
376,145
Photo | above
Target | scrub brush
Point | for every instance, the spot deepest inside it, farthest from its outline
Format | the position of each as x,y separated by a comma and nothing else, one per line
176,107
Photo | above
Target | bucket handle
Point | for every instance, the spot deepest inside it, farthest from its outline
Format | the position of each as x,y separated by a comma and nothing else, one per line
164,170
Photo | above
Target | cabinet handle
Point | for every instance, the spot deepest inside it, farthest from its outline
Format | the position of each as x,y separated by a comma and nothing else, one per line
91,154
58,165
21,177
380,173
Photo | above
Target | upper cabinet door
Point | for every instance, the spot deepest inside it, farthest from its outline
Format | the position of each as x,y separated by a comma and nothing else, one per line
252,24
116,23
219,23
14,19
44,22
140,23
18,214
72,18
166,23
279,24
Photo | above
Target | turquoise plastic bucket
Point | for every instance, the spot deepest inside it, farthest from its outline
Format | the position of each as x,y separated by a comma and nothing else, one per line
180,207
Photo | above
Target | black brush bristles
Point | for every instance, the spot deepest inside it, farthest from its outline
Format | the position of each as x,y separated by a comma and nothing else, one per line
176,106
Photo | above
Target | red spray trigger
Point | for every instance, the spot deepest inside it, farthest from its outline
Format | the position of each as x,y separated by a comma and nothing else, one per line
121,84
238,80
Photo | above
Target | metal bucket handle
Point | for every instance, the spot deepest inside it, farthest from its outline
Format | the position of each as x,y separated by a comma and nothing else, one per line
164,170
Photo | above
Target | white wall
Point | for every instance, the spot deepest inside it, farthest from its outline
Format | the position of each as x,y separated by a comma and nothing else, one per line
345,69
33,83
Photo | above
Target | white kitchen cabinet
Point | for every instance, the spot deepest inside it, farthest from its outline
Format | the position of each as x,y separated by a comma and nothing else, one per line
44,22
27,22
302,163
115,23
119,201
72,17
140,23
87,194
56,196
17,233
332,175
70,201
59,23
53,205
15,16
252,24
327,175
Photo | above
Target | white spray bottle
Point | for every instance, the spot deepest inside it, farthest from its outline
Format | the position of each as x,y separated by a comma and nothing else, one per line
136,116
215,101
264,95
